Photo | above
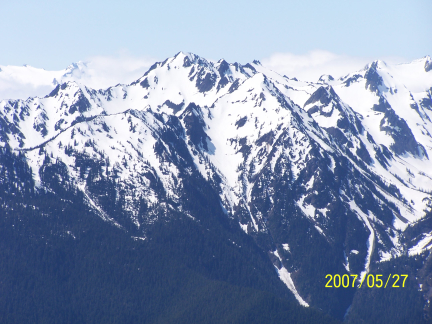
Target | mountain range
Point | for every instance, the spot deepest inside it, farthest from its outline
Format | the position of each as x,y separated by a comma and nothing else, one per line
235,189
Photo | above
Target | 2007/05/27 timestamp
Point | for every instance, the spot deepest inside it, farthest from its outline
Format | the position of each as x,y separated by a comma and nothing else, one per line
345,281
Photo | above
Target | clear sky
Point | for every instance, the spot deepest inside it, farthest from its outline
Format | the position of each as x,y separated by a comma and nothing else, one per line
52,34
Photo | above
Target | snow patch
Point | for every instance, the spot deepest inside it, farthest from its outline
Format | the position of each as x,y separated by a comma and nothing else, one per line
423,245
285,276
371,240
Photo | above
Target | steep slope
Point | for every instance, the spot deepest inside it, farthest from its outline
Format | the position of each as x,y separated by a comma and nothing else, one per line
393,103
60,262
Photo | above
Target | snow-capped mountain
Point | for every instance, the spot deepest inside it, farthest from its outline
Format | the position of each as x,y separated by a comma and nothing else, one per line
22,82
326,177
26,81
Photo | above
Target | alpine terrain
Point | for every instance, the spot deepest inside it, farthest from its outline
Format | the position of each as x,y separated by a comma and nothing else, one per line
212,192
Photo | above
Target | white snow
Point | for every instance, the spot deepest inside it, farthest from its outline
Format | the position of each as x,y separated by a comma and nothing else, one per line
423,245
285,276
371,239
244,227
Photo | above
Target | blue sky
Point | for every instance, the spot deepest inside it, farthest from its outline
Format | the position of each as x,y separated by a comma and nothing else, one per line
53,34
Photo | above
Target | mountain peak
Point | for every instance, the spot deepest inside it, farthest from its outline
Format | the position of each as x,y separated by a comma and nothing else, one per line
325,78
257,62
375,65
428,63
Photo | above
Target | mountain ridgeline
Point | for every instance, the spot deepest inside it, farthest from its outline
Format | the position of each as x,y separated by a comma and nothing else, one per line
216,192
